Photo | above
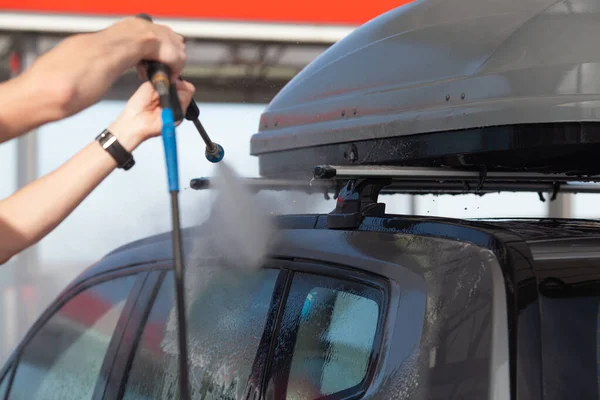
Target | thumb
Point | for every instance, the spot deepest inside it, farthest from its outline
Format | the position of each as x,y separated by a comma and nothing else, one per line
185,92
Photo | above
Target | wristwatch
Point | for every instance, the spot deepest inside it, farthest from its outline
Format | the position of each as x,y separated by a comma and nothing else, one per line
110,143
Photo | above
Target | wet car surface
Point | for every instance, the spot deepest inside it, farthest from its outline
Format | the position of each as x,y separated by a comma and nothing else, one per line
400,307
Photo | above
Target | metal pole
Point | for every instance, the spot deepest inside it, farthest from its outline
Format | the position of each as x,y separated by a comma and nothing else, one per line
561,206
26,262
412,205
27,154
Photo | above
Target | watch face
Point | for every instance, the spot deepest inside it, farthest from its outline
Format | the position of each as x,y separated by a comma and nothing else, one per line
103,136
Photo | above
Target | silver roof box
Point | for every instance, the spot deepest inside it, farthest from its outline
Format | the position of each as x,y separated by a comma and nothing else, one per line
508,84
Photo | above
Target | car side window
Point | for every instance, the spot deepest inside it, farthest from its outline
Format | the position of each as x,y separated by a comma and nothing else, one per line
226,319
4,383
63,359
329,327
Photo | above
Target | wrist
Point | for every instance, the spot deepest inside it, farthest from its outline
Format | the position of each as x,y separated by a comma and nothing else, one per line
127,136
123,158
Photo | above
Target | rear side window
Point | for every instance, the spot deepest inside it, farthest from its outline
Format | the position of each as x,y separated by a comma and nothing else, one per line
226,319
63,359
330,329
570,327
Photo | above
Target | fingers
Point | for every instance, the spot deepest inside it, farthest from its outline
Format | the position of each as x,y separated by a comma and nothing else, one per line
146,98
141,72
184,86
150,41
185,92
171,48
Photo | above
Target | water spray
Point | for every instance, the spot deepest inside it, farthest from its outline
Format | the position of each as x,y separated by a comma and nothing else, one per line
159,74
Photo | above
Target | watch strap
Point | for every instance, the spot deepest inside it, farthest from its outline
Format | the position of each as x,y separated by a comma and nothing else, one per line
110,143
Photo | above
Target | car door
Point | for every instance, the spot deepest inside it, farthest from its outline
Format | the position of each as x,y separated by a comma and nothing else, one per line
321,342
68,351
230,321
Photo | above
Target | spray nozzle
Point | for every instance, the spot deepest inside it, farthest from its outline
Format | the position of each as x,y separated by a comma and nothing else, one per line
214,151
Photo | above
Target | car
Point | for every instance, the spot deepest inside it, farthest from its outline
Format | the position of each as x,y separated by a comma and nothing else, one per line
438,96
399,307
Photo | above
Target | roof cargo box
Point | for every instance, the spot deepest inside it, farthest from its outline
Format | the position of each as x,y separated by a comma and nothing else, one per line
510,85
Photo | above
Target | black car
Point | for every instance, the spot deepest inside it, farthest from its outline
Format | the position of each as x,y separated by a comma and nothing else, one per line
398,307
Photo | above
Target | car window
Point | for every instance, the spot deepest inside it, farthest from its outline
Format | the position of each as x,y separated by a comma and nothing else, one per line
570,328
334,343
63,359
226,319
329,327
4,383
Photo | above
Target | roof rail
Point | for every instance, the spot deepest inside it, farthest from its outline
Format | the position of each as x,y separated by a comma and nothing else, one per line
424,180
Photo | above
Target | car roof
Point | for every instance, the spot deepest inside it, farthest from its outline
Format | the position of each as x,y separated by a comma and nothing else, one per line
536,232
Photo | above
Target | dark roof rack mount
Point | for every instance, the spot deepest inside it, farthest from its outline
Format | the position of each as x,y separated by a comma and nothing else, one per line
358,198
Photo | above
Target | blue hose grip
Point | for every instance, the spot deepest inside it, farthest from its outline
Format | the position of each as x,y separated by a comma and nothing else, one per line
170,143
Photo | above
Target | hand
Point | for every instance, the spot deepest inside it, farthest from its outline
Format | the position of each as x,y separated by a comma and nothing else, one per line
82,68
161,43
141,118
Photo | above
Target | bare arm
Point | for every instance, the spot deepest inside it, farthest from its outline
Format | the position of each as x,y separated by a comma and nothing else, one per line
35,210
32,212
80,70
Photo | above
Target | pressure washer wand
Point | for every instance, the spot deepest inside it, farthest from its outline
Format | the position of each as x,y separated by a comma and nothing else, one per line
214,151
159,75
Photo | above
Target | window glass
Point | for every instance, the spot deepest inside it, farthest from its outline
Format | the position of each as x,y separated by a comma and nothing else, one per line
570,328
598,348
336,330
4,384
226,319
570,344
64,358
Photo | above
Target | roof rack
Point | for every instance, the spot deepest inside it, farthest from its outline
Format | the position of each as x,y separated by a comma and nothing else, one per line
357,188
324,187
424,180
